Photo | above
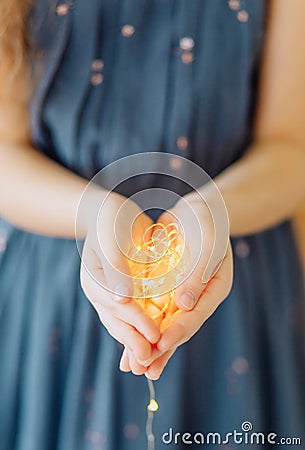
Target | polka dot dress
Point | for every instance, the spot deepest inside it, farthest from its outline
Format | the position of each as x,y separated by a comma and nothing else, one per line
122,77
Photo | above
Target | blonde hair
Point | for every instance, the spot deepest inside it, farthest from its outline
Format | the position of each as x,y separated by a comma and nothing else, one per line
14,45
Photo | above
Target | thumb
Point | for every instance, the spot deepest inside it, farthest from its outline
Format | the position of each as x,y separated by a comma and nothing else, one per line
189,292
209,263
117,274
114,264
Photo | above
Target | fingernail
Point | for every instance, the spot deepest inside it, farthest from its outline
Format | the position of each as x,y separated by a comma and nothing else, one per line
163,347
153,377
123,370
146,363
188,300
121,292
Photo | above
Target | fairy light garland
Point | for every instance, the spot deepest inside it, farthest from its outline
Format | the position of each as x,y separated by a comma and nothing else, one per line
157,265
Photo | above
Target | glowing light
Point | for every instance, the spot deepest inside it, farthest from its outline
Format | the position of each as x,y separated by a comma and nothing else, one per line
159,260
153,406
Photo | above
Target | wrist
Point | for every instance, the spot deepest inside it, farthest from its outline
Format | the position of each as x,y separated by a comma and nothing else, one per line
88,208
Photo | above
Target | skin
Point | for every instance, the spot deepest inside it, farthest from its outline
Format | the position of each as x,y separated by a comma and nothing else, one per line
264,187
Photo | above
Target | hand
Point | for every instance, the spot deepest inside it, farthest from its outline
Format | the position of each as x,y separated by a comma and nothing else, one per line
200,294
178,327
105,276
182,325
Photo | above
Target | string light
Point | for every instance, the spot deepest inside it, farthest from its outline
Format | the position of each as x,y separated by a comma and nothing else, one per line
157,265
153,406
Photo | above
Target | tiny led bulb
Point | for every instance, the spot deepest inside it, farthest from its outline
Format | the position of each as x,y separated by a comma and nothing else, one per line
153,406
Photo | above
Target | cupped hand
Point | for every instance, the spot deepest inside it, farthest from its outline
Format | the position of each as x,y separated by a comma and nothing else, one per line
178,327
105,274
207,283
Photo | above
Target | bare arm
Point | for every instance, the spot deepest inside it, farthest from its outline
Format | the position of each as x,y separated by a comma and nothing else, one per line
260,190
40,195
36,193
268,183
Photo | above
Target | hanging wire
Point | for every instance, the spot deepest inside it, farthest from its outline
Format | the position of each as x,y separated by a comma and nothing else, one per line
152,407
160,248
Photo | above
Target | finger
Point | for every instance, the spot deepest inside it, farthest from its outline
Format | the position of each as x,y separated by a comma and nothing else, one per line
155,370
124,362
125,334
116,269
211,211
92,282
184,324
207,245
136,368
199,238
129,363
188,293
134,314
118,225
155,354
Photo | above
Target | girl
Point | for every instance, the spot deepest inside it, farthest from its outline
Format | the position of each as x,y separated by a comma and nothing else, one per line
219,82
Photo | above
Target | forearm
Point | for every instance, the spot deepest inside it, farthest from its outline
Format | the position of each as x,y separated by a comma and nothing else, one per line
38,194
264,187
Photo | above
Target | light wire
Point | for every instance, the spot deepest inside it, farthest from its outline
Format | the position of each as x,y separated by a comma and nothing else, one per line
151,409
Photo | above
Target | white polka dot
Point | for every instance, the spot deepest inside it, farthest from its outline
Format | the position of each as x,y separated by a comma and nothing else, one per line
131,431
175,163
95,437
187,43
187,57
97,65
182,142
96,79
63,9
127,30
234,4
240,365
3,242
243,16
242,249
88,395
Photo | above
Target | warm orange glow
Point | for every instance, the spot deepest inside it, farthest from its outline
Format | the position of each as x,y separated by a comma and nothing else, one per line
157,264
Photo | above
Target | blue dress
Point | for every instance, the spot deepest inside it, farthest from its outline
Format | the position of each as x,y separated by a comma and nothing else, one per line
122,77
